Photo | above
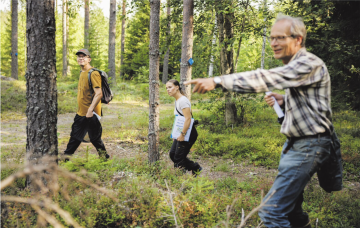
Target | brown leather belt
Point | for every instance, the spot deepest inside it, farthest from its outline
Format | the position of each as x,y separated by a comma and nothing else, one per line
293,139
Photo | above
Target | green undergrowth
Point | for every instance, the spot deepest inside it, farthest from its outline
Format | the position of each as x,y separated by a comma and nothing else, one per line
144,191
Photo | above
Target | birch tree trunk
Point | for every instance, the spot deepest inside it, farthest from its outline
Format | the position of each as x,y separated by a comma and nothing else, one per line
112,35
14,39
154,100
65,29
168,40
122,38
87,22
187,46
226,33
41,91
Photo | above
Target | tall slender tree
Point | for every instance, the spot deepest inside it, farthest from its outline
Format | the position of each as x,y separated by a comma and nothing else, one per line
225,24
122,38
187,45
112,34
241,31
264,40
65,35
41,91
154,63
14,39
87,24
168,40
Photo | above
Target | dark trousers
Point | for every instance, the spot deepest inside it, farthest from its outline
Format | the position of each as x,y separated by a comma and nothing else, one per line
180,150
80,127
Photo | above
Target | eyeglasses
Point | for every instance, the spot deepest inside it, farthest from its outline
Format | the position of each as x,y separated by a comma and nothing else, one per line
278,38
82,57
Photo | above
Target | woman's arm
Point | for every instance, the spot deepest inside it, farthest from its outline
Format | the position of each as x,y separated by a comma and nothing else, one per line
187,115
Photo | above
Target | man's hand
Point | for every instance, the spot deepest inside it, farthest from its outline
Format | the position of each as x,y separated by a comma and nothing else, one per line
89,113
202,85
270,100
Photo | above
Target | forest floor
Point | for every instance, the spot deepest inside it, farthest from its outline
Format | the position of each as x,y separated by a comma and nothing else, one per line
13,133
116,119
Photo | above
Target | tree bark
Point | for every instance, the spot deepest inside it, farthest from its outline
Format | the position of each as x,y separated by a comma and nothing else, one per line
226,33
14,39
168,40
122,38
240,41
264,40
112,35
187,46
41,90
154,100
87,22
65,29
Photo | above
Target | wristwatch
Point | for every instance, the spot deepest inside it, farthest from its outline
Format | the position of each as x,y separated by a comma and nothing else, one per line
183,134
217,81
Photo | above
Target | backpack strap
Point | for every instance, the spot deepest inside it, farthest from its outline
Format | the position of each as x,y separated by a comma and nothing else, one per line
180,113
89,78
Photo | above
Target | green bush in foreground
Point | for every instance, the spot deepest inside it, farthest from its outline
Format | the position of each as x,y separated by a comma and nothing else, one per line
144,199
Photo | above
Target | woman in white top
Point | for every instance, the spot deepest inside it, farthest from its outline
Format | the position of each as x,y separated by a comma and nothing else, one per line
180,148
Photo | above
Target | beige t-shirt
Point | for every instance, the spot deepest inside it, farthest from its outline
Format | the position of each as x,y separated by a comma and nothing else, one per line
84,97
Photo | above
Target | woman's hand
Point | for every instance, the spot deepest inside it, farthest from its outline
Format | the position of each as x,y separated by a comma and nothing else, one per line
181,138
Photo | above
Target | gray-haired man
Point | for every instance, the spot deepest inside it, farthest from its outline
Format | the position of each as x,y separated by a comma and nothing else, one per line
307,123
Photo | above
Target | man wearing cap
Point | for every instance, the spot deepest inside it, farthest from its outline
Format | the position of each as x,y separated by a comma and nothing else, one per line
311,139
88,103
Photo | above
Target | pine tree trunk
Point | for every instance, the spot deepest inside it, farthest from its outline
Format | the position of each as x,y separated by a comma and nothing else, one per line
167,54
14,39
87,23
122,38
187,46
226,33
154,98
112,35
264,41
41,91
65,25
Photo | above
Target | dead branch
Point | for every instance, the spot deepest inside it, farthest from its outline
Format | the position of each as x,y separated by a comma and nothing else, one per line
172,204
46,203
49,218
242,224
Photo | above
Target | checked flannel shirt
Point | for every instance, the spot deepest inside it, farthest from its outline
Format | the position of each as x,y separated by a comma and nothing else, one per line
306,81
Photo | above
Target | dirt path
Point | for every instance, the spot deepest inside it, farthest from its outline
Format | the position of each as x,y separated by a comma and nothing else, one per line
14,134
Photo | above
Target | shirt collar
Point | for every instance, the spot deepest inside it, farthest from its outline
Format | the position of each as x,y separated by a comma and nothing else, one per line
301,51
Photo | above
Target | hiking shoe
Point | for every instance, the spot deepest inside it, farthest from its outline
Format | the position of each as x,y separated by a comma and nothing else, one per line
197,172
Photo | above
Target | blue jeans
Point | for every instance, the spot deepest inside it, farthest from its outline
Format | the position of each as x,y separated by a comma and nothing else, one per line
297,166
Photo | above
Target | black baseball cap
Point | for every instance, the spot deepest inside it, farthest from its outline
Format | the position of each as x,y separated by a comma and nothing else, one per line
83,51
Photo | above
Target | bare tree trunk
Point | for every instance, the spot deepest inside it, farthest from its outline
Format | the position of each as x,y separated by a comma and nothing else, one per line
41,91
264,41
213,42
241,31
112,35
87,22
154,100
187,46
122,38
65,25
168,40
14,39
226,33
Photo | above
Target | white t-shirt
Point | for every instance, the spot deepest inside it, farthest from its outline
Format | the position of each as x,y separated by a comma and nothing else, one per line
180,104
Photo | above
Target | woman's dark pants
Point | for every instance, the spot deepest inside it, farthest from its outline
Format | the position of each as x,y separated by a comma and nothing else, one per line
180,150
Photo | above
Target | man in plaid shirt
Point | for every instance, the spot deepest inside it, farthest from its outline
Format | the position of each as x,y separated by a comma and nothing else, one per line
307,123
